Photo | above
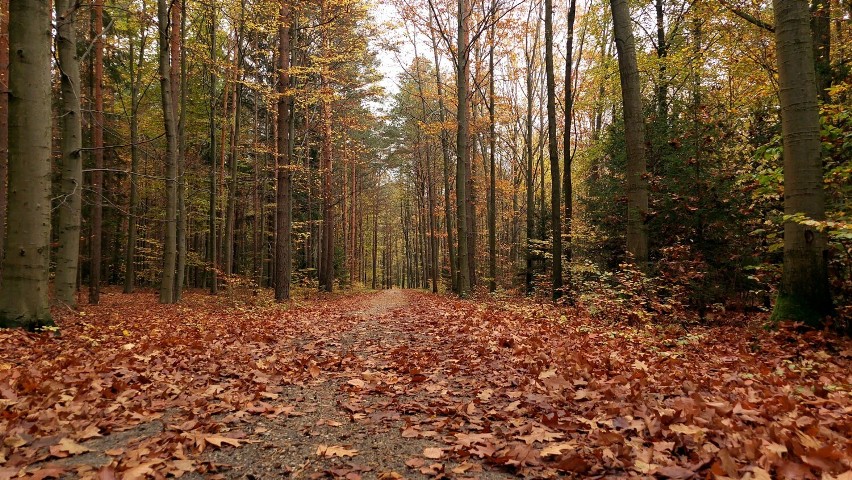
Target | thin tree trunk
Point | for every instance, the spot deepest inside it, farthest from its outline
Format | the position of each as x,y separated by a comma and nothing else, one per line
26,266
213,250
178,39
68,236
462,148
4,125
445,151
492,178
553,152
132,221
284,213
98,153
567,181
634,135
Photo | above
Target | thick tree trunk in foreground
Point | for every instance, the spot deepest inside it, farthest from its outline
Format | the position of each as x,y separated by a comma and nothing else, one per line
634,134
283,254
71,183
167,281
553,152
804,291
26,266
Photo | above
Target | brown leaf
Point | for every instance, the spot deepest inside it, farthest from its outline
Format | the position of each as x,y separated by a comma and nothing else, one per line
433,453
335,451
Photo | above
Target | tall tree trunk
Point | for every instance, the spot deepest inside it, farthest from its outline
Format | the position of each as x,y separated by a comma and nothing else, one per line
804,293
231,208
634,134
553,152
167,281
213,251
178,78
492,177
326,281
26,266
462,148
529,53
98,153
132,221
567,180
68,224
283,211
445,151
4,124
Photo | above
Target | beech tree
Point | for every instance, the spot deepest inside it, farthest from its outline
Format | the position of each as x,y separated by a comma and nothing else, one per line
26,268
804,293
71,186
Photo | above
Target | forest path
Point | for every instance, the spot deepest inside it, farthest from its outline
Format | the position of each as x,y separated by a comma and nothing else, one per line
351,420
407,384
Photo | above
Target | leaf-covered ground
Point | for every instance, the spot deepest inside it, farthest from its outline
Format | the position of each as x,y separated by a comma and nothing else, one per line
405,384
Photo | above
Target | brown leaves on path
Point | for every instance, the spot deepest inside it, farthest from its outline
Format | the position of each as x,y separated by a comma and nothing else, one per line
133,389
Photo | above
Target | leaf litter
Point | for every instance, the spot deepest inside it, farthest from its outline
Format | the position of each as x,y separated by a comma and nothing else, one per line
405,384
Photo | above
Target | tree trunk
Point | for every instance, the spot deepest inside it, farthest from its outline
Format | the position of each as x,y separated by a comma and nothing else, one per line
445,151
98,154
283,211
26,266
804,293
4,124
326,281
492,178
213,250
567,180
71,183
178,78
167,281
132,221
634,135
553,152
462,149
530,53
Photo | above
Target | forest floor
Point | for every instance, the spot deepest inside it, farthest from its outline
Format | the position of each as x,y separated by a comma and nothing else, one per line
404,384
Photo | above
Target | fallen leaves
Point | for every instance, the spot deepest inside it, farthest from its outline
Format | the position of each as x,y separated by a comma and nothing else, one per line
502,384
335,451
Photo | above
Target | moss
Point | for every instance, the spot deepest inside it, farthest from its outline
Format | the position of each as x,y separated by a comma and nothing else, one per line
797,309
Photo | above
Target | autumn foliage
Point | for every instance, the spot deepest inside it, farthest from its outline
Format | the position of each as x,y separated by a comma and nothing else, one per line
134,389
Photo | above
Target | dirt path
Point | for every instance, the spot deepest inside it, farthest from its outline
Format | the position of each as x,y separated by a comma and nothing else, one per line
340,413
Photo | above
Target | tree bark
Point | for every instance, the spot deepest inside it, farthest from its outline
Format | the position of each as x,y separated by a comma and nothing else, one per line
213,251
567,180
71,143
804,293
167,281
283,254
553,153
4,125
634,135
492,178
178,78
97,153
462,148
26,266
